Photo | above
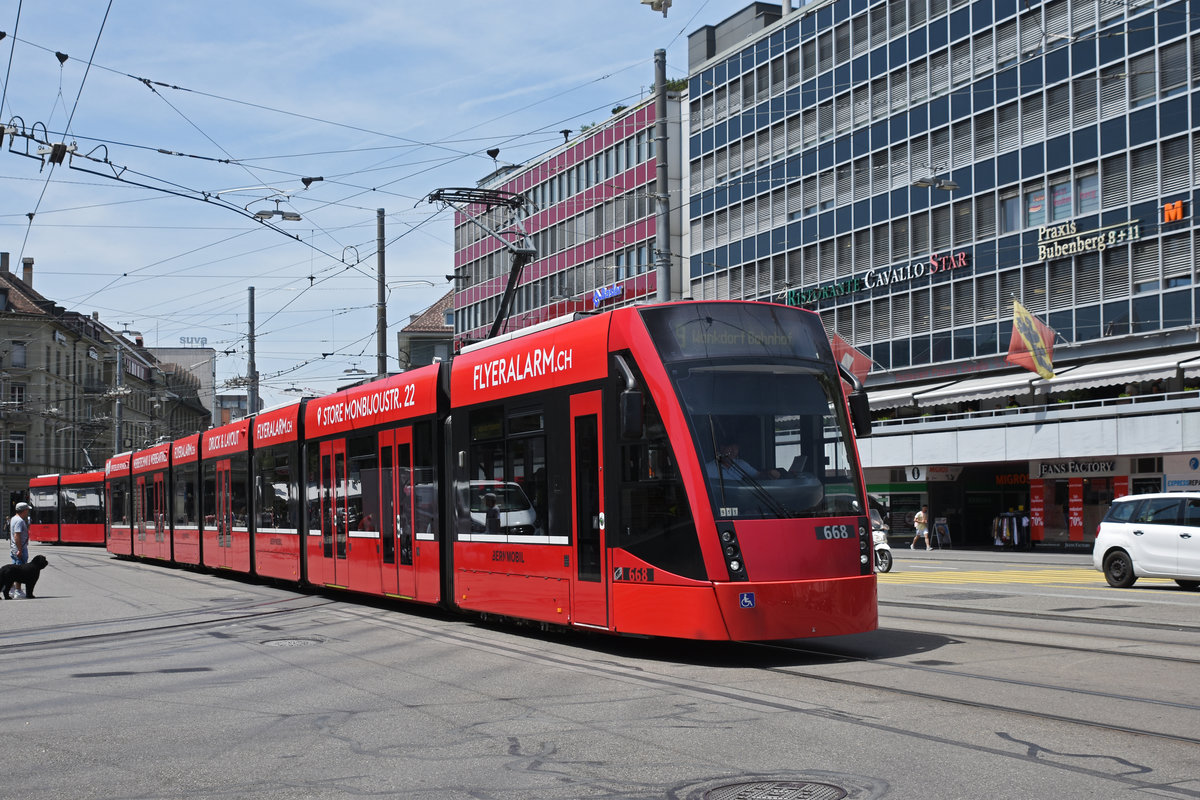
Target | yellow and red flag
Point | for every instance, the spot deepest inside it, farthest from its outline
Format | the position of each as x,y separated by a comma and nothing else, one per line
1032,343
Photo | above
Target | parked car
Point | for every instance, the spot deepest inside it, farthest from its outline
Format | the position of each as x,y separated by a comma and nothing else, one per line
1150,536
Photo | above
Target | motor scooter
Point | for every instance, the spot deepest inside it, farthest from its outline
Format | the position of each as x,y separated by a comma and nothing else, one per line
879,535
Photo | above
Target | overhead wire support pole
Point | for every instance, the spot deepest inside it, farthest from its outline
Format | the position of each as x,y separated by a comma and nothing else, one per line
511,234
662,221
381,304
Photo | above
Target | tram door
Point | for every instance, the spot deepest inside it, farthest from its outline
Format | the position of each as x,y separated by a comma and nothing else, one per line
396,501
334,516
224,511
590,599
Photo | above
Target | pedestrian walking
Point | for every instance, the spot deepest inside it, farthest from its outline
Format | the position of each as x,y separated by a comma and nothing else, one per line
921,522
18,545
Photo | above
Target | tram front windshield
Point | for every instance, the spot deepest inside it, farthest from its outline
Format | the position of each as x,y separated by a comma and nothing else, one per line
771,442
765,409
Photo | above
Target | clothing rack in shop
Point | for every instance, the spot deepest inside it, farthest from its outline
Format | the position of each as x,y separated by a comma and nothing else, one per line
1010,529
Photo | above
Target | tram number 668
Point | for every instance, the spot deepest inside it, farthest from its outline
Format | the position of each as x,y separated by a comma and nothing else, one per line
826,532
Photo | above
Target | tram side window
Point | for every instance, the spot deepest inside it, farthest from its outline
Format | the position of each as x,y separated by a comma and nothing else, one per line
208,496
508,459
69,498
45,506
274,487
184,506
116,503
239,489
81,505
656,522
424,480
312,489
362,479
526,462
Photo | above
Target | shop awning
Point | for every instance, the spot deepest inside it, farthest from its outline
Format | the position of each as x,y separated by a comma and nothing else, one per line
982,388
1152,367
896,396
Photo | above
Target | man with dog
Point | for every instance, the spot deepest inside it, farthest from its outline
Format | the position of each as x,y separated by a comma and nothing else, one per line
18,546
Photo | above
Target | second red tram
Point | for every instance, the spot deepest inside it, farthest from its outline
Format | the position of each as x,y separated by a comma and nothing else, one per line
685,470
67,509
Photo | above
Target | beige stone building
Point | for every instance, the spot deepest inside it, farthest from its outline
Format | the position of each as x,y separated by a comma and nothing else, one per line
73,391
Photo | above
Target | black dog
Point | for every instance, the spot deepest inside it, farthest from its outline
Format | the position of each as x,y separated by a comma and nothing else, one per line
26,574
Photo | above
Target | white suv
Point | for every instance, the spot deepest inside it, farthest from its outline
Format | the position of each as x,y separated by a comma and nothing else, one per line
1151,536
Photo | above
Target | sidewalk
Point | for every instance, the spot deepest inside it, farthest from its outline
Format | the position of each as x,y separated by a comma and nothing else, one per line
1048,557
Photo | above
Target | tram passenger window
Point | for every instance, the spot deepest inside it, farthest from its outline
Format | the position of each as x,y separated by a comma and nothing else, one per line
275,496
387,506
239,489
184,510
116,504
312,491
424,480
362,484
526,463
68,513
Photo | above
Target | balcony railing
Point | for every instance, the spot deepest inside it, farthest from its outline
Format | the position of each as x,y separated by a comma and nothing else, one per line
1141,404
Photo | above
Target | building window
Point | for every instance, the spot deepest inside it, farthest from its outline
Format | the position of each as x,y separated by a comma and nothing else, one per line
448,319
1060,199
1035,207
18,354
16,395
1087,192
1010,211
16,448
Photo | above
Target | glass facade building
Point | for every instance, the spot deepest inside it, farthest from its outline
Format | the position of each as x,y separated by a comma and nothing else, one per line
1065,125
909,168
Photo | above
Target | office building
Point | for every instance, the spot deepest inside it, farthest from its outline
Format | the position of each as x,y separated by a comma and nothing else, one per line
909,169
591,204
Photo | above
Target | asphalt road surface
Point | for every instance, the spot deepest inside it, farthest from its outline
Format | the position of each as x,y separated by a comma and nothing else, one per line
992,675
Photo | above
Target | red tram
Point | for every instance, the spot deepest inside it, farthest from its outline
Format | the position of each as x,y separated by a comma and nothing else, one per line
685,470
67,509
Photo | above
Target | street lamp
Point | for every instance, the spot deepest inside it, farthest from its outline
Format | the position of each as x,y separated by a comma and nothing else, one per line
266,214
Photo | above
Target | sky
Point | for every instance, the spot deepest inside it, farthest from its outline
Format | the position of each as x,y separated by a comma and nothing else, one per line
187,118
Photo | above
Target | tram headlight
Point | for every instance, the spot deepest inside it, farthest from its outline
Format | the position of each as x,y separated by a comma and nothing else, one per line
727,536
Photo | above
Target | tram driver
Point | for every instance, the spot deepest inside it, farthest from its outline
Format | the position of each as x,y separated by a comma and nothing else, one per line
729,465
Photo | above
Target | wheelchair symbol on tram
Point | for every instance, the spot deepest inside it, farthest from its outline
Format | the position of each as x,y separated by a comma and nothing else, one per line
746,600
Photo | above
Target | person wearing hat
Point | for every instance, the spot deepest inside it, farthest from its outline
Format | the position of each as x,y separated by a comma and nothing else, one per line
18,545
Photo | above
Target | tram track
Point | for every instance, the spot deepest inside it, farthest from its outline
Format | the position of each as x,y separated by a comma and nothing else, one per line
1090,650
148,625
1042,616
981,705
697,670
641,673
